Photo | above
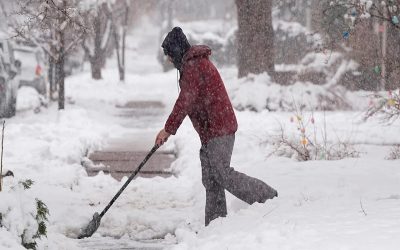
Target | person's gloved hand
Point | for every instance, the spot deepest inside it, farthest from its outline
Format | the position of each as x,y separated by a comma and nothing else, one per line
162,137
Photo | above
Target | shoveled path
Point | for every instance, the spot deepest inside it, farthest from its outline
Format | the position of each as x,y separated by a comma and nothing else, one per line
122,156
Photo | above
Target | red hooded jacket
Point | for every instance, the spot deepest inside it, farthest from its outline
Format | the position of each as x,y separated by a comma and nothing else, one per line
203,98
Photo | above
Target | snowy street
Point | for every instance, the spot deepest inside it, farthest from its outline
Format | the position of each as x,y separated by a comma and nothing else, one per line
347,203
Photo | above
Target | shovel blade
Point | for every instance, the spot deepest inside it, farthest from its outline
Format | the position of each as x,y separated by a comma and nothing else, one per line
91,227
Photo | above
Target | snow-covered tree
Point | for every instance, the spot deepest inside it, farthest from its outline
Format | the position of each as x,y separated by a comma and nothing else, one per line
96,40
119,20
356,10
54,25
371,29
107,20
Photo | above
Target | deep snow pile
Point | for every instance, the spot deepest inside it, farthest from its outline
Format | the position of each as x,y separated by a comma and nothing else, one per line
46,148
346,204
28,99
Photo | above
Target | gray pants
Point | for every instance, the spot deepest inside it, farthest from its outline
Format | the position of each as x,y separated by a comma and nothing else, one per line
217,175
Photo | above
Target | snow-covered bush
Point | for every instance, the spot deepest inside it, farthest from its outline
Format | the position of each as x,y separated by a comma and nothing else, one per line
394,153
23,216
319,67
259,92
305,144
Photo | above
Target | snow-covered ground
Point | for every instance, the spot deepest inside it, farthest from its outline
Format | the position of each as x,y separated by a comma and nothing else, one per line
345,204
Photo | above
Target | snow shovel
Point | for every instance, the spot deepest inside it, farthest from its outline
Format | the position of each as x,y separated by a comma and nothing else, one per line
95,222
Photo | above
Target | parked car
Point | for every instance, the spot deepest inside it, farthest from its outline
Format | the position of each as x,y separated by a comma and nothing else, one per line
33,70
9,69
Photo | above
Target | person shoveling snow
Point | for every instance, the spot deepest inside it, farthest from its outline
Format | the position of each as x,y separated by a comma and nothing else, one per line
204,99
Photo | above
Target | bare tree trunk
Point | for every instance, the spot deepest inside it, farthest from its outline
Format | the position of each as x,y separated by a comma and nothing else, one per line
125,27
255,37
96,66
61,73
122,69
102,34
120,38
56,76
116,40
117,51
96,61
50,75
60,62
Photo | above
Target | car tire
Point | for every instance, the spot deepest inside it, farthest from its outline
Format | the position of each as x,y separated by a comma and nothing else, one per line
11,110
42,87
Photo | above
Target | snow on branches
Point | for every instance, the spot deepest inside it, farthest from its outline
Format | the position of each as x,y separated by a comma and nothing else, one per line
42,22
356,10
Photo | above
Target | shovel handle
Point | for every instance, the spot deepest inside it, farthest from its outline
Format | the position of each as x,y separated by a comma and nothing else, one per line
154,149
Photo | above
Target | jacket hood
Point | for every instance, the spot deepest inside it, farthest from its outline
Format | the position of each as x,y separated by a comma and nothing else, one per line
197,51
176,45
